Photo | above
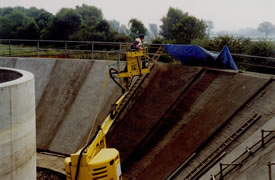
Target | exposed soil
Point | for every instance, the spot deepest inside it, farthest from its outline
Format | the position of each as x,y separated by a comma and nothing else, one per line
47,174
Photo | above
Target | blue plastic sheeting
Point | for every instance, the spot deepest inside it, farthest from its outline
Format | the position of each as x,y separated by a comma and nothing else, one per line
194,55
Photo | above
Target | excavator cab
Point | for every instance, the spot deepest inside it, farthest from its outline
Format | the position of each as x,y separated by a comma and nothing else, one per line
136,65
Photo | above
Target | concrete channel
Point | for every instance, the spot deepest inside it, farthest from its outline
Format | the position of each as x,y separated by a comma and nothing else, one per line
177,112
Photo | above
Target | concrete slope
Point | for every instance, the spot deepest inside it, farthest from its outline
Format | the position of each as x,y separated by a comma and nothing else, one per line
164,87
262,105
67,97
175,113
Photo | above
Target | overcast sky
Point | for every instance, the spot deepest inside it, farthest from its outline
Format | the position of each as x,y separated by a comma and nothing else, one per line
226,14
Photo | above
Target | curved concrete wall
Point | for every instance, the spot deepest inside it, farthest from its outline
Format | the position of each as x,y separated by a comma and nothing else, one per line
67,95
17,125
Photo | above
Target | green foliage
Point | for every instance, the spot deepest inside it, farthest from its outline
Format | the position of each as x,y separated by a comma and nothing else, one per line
64,24
136,28
159,40
173,17
115,25
90,15
17,25
187,29
179,27
81,23
236,45
261,48
43,19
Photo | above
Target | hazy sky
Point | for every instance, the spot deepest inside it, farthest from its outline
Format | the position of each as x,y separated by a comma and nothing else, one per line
226,14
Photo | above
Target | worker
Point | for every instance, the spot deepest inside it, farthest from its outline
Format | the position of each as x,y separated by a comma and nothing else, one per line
138,44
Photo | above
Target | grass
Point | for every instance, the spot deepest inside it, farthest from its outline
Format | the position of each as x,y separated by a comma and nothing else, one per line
32,51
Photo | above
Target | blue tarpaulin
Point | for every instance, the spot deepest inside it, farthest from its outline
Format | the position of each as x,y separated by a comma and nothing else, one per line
194,55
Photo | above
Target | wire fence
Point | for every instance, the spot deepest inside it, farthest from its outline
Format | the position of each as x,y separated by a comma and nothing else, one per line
96,50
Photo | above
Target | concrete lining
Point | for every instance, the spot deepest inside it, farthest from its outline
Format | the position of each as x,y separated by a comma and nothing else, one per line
17,125
176,111
67,97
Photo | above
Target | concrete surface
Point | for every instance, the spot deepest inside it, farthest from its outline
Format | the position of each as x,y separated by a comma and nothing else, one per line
177,111
67,97
256,167
17,125
50,161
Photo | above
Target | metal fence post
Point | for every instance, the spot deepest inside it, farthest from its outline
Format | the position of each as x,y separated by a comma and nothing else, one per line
65,49
269,171
221,175
262,138
92,50
9,47
119,55
38,53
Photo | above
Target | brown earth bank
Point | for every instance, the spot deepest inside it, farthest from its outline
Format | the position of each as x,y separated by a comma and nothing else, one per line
47,174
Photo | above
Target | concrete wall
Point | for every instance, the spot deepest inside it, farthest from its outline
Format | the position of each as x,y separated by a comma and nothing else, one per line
178,109
67,97
17,125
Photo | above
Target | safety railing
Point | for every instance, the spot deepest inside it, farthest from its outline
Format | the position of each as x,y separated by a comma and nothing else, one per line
270,164
220,152
226,168
96,50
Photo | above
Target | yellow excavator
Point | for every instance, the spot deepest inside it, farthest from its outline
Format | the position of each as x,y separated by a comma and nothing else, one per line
96,161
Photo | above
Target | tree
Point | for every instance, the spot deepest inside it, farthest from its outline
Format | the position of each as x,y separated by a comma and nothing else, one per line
115,25
124,29
154,30
90,15
179,27
5,11
32,12
17,25
209,26
173,16
64,24
267,28
136,28
261,48
29,30
43,20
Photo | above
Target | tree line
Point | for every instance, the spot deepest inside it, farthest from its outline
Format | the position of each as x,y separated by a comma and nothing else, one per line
87,23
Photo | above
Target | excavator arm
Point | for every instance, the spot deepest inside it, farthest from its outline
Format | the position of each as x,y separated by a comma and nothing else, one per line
95,160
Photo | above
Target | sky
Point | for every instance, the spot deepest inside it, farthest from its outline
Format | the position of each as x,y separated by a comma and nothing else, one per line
226,14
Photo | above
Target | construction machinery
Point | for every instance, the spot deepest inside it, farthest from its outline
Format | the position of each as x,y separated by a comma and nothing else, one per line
96,161
136,65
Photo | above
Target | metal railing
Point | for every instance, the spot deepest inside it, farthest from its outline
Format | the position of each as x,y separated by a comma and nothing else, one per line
220,152
249,151
66,49
96,50
270,164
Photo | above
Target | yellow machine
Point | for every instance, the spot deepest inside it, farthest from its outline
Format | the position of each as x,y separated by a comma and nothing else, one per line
95,161
136,65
